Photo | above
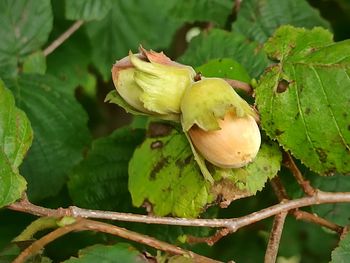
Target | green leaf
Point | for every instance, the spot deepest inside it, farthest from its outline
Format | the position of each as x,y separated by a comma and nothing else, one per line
16,137
139,122
35,63
101,180
87,9
119,253
219,44
9,253
128,24
60,129
216,11
163,172
70,62
303,99
338,213
257,20
25,27
304,240
233,184
342,253
224,68
11,226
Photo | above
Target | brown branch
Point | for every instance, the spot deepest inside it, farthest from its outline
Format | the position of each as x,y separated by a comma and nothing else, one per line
279,189
319,198
26,206
237,5
275,238
143,239
282,196
304,184
56,43
240,85
312,218
86,224
209,240
345,231
233,224
42,242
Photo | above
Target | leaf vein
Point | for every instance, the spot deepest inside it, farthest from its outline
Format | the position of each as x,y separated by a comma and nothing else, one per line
330,108
307,133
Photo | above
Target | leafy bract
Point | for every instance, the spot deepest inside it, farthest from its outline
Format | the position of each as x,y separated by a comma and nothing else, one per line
304,98
114,97
87,9
338,213
216,11
25,27
129,24
233,184
259,19
15,139
342,253
163,173
119,253
100,181
60,128
219,44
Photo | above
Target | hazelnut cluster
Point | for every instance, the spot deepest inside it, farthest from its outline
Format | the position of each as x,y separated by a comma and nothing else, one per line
222,126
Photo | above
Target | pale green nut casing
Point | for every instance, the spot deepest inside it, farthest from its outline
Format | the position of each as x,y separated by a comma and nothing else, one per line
129,90
123,79
152,83
162,82
208,100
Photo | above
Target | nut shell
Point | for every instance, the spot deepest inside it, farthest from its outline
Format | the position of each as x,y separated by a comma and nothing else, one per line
233,146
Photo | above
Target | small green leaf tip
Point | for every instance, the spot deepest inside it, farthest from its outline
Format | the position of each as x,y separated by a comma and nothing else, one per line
151,83
208,100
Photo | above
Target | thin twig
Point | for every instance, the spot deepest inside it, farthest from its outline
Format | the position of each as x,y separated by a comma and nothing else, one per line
86,224
312,218
42,242
240,85
24,205
282,196
275,238
56,43
279,189
143,239
209,240
233,224
304,184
